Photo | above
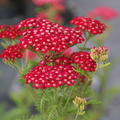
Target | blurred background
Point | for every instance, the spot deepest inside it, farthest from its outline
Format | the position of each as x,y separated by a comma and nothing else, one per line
12,11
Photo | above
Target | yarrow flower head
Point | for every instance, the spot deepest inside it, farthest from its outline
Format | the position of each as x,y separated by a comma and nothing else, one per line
45,76
9,31
104,12
12,52
31,22
48,36
99,54
84,60
89,24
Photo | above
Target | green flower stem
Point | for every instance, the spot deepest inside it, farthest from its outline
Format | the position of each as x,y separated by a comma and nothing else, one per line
76,117
69,98
83,48
85,43
87,84
87,36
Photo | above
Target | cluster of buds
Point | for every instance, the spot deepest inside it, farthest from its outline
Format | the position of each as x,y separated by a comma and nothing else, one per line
80,103
99,54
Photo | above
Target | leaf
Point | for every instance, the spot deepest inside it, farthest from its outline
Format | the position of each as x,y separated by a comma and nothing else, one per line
42,104
3,45
81,113
53,114
15,114
104,65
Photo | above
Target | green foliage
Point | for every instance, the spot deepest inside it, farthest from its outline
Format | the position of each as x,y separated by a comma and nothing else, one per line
104,65
40,103
15,114
52,113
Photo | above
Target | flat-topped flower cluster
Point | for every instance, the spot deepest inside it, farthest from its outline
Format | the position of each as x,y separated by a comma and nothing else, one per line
49,41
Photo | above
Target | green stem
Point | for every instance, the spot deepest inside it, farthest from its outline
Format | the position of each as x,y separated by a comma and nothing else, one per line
85,43
87,37
76,117
69,98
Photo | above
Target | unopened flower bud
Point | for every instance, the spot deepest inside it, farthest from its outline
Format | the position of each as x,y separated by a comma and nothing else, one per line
99,54
80,103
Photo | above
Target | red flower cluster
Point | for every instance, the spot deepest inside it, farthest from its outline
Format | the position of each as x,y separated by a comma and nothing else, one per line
74,36
104,12
10,32
51,76
48,36
44,36
84,61
91,25
44,76
12,52
33,23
